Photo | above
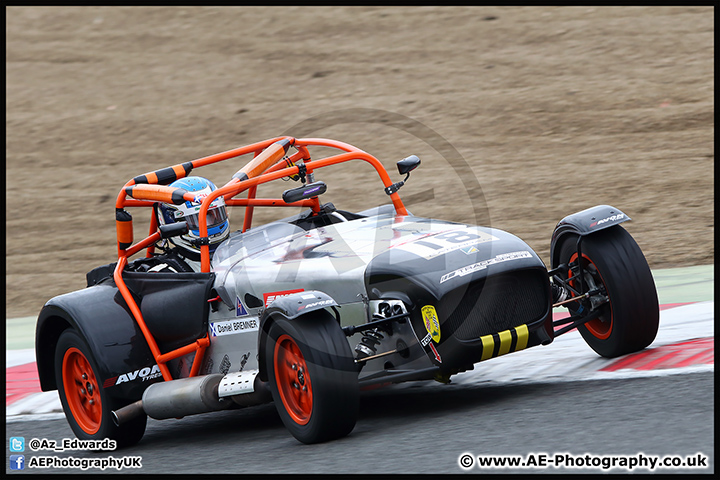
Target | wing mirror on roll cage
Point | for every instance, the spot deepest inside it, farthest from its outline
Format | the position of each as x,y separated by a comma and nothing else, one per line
407,165
404,166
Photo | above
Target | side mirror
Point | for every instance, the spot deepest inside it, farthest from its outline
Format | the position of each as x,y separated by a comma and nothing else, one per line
407,165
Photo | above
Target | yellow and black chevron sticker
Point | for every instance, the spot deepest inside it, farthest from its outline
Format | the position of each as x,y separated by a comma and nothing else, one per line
504,342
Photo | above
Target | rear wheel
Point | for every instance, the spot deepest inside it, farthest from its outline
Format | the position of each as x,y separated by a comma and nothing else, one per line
612,262
87,407
312,376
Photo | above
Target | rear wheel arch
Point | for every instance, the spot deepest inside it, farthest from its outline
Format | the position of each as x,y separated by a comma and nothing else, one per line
46,339
109,329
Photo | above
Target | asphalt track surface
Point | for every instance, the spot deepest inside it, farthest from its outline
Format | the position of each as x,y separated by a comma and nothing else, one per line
424,429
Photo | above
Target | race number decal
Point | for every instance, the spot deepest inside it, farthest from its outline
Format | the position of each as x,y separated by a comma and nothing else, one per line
443,243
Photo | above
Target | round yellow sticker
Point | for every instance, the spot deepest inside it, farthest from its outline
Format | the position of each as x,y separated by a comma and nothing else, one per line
431,321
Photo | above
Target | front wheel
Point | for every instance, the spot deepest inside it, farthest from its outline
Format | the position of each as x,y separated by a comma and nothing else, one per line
312,376
613,263
87,408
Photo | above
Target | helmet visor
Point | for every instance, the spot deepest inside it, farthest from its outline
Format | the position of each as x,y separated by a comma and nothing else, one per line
215,216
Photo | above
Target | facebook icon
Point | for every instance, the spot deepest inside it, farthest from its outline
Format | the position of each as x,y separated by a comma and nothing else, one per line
17,462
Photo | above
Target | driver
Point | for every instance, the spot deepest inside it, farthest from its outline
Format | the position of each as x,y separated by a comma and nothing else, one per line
187,249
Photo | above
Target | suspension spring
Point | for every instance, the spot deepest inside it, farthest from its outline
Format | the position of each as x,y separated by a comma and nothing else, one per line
369,342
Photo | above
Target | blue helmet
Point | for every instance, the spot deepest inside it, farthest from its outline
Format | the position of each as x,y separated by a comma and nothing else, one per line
217,220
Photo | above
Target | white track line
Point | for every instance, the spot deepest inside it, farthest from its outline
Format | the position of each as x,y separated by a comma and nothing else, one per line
13,358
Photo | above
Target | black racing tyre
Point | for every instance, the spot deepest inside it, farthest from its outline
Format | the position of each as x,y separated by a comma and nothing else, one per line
614,261
87,407
312,377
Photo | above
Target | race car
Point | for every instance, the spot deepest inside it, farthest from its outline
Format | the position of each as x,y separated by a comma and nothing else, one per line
310,310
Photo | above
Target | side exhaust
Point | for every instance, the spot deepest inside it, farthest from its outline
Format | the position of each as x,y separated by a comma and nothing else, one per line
261,394
127,413
176,398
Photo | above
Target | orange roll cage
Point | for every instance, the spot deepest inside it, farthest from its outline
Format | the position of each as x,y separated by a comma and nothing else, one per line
269,163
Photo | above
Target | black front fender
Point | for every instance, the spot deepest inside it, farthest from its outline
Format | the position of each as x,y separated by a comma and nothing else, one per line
584,223
291,307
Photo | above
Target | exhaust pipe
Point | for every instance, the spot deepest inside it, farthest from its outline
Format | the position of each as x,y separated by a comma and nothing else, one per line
261,394
127,413
175,399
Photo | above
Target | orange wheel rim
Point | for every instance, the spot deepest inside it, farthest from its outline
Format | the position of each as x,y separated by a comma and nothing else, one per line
81,391
597,327
293,380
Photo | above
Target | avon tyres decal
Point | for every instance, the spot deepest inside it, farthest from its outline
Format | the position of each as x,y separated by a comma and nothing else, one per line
611,218
321,303
231,327
143,374
461,272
